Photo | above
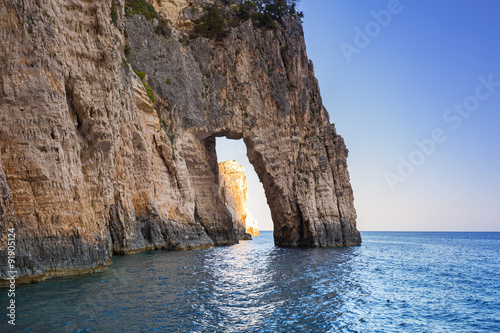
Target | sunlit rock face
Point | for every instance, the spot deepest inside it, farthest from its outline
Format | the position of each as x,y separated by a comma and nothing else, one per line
181,12
252,226
93,166
233,189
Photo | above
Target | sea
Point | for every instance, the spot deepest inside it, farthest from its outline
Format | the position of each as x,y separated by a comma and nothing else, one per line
393,282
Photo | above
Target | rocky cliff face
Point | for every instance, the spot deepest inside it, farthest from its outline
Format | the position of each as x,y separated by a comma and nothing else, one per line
233,188
91,165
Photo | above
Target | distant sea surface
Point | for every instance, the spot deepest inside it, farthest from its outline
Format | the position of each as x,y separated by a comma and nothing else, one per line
394,282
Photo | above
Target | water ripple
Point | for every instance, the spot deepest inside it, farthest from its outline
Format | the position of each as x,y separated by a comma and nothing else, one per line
412,282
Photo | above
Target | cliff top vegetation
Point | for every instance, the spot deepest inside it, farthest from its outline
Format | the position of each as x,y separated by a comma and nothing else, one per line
217,19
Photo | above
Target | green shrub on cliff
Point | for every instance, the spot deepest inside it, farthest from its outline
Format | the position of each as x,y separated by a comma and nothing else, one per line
149,91
114,14
211,24
264,19
277,8
246,10
217,19
127,50
141,75
142,7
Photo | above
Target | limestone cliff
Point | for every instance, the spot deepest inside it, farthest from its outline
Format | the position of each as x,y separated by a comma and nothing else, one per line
233,188
98,160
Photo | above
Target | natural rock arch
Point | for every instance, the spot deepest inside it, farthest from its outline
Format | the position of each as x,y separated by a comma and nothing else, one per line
93,167
257,85
298,219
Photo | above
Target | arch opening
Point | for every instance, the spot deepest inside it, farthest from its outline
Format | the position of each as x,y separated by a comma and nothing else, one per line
230,148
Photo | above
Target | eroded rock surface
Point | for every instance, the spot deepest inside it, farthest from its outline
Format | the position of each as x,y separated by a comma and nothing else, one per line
94,167
181,12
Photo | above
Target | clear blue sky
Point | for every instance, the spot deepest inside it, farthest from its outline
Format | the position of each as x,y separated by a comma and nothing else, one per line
389,82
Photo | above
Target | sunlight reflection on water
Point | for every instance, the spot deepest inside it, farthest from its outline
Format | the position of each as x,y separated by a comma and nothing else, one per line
394,282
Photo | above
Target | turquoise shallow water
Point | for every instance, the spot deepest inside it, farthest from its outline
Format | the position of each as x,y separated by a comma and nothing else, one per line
394,282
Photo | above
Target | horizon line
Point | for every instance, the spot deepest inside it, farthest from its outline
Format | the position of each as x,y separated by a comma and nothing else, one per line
413,230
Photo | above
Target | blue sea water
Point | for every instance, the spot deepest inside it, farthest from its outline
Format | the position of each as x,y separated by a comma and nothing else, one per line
394,282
